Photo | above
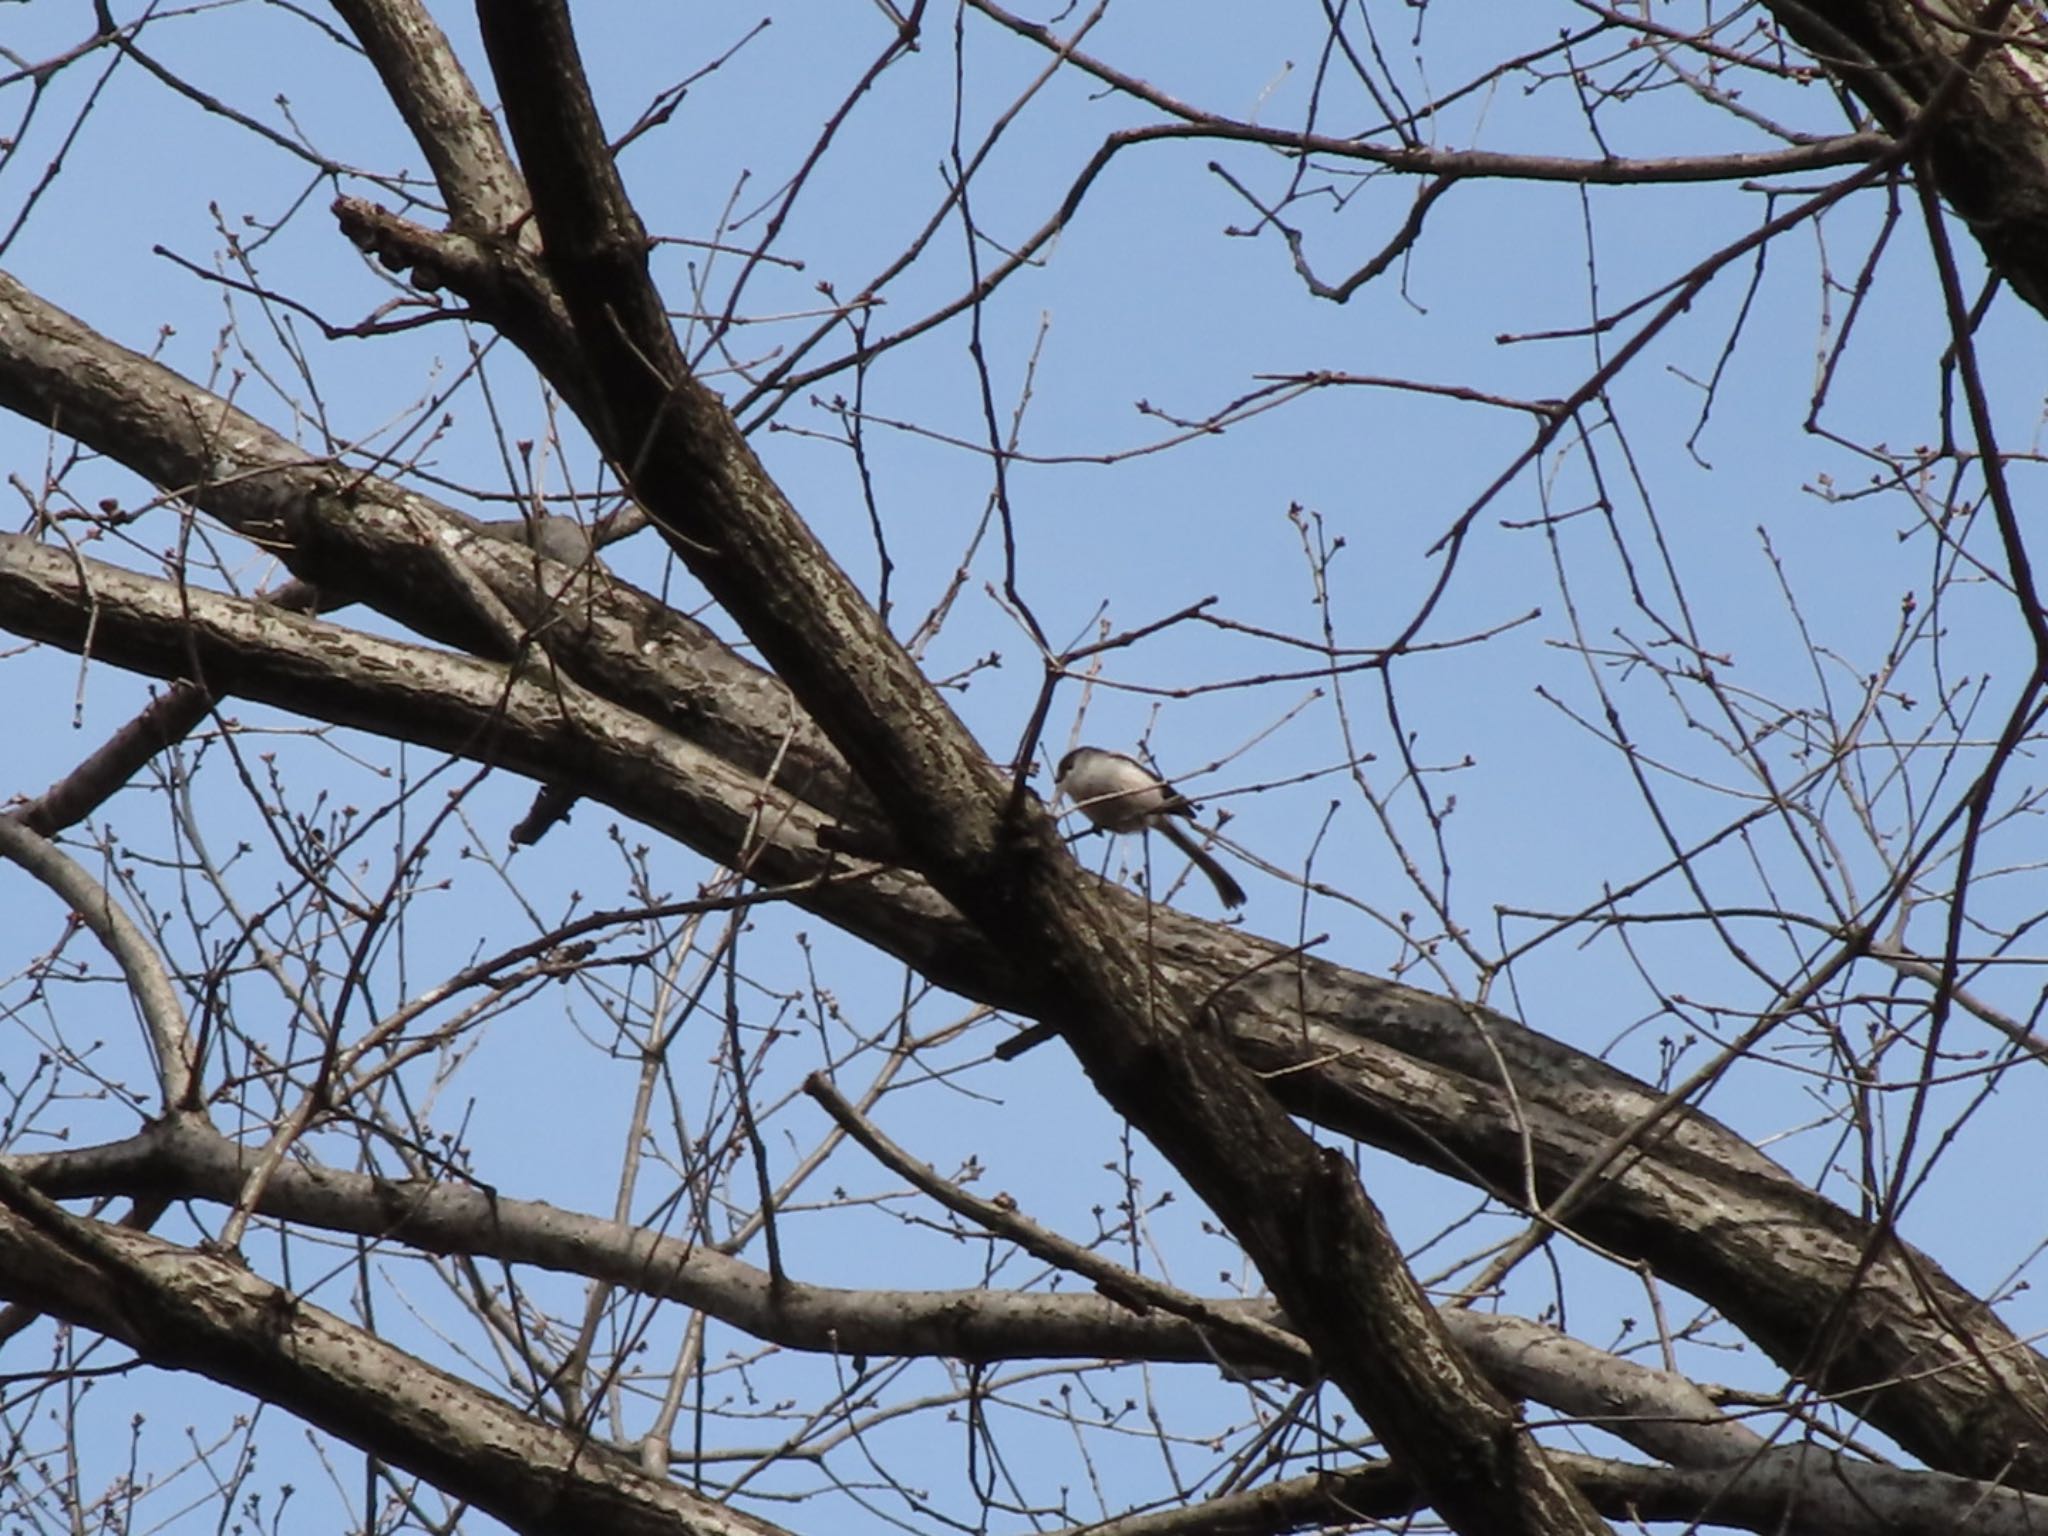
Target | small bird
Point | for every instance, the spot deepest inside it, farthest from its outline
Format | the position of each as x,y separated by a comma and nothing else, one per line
1120,794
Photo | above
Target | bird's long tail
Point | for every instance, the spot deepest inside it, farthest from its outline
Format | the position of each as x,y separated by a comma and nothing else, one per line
1227,888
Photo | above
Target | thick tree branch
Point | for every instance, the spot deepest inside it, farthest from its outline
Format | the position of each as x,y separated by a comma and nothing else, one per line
1298,1209
530,720
426,82
186,1310
183,1158
1987,147
1800,1487
1722,1471
187,1160
1417,1074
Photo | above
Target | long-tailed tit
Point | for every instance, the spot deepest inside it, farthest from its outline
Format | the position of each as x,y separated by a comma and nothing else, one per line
1120,794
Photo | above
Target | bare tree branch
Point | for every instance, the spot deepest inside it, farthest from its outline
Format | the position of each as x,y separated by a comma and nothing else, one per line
154,993
1457,1087
194,1311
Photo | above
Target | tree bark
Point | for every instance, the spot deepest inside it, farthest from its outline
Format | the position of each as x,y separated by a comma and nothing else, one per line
1458,1088
185,1310
1987,149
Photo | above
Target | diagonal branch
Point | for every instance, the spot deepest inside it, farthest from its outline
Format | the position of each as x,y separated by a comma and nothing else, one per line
149,984
1446,1084
1298,1209
1720,1469
184,1159
188,1310
454,129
